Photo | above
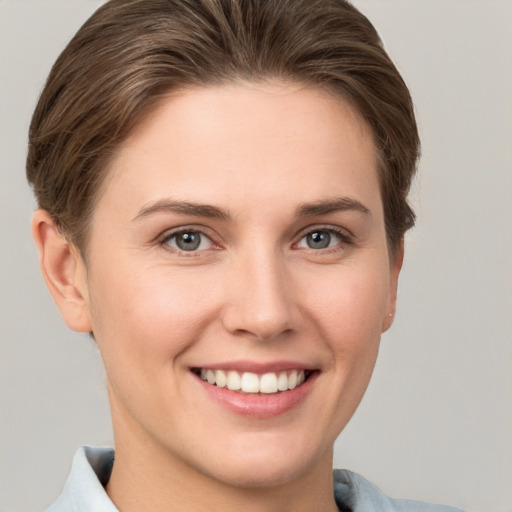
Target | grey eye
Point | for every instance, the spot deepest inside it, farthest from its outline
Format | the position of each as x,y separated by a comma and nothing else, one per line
188,241
318,240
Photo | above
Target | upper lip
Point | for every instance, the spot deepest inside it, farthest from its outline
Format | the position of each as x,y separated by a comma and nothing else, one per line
256,367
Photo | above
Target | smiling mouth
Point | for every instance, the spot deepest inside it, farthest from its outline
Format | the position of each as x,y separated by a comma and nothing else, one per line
249,382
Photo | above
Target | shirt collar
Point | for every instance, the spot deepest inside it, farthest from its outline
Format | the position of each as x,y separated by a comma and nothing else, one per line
84,490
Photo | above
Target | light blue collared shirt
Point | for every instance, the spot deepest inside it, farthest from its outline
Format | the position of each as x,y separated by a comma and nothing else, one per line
84,489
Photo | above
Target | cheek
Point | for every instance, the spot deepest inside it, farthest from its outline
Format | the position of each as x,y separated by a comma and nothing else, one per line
351,304
146,318
346,311
348,315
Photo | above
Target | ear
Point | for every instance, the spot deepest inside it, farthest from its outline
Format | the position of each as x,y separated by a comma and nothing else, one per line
64,272
396,262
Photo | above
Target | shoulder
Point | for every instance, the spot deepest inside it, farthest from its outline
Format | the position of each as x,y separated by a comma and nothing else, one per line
354,493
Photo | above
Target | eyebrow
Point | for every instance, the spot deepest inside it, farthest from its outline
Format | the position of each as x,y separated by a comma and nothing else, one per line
184,208
324,207
338,204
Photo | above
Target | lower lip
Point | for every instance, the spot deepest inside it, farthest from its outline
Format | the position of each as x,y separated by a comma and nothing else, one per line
259,405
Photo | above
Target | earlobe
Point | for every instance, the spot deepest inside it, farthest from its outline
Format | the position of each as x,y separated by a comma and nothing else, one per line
63,271
395,267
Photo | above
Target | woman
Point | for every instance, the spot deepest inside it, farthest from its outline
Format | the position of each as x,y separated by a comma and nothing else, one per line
222,202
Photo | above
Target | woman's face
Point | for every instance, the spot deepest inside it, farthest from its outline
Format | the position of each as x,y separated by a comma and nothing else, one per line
240,239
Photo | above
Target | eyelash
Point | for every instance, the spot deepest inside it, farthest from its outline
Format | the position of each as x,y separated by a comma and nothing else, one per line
188,230
344,239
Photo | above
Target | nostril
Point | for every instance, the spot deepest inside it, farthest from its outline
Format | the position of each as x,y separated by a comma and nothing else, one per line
263,335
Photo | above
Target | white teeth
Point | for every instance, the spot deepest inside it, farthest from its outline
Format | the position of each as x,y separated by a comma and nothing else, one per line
268,383
220,378
292,380
282,382
233,381
210,376
250,382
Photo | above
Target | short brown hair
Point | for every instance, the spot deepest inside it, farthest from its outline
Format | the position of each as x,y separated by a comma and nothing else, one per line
130,52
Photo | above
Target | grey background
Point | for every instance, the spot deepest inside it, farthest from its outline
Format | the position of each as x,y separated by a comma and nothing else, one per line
436,423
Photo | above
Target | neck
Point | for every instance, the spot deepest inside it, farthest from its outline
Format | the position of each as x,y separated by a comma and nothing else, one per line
146,477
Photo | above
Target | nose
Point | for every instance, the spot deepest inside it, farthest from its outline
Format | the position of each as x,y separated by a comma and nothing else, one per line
261,302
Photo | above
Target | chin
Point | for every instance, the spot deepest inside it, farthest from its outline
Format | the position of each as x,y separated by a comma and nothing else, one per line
249,475
270,466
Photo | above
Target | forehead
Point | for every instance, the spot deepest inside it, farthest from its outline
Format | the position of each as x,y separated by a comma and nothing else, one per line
246,139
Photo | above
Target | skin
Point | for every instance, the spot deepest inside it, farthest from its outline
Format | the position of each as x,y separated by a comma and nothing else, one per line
254,290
